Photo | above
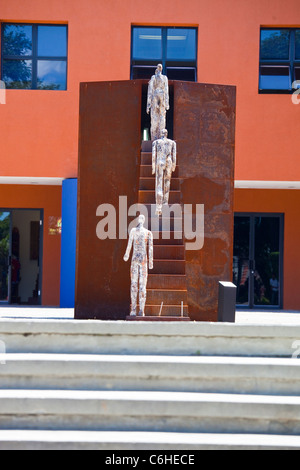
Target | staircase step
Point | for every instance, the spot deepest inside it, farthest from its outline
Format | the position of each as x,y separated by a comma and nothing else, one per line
146,146
146,171
148,197
169,212
143,441
167,296
148,184
165,281
120,337
206,374
170,252
166,311
158,318
149,410
146,158
166,266
165,238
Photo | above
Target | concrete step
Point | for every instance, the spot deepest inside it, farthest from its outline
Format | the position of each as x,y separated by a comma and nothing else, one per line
258,376
142,441
121,337
149,411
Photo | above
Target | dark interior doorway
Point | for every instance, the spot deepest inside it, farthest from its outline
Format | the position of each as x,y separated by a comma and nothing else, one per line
258,260
20,256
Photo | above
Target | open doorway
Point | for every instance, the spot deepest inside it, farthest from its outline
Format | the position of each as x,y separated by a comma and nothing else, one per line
258,260
20,256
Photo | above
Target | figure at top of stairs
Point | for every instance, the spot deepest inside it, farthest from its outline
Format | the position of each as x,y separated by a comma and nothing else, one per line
158,102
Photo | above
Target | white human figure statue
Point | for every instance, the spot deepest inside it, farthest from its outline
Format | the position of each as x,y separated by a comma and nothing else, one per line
163,164
158,102
140,238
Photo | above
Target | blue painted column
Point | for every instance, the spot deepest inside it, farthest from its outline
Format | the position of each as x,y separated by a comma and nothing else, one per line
68,243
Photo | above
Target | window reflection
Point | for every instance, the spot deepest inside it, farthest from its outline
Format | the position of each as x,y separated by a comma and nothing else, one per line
187,74
17,73
181,44
51,75
297,77
175,48
241,255
267,256
275,44
297,37
52,41
147,43
4,255
275,78
34,56
17,40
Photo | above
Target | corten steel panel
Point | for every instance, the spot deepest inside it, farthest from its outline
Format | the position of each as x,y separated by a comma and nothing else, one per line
204,129
109,154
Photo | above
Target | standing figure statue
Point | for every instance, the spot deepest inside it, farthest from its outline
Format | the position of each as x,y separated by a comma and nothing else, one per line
140,237
158,102
163,164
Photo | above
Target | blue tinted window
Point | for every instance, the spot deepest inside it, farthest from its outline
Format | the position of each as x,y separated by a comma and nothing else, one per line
275,44
17,73
52,41
181,44
147,43
51,74
175,48
34,56
297,35
275,78
17,40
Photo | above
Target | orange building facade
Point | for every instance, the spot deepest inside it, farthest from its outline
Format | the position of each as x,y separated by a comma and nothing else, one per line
39,128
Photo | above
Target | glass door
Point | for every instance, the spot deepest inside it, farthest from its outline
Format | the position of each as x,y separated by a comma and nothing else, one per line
5,256
241,259
258,260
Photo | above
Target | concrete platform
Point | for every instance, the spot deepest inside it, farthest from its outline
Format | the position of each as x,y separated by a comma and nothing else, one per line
254,334
259,317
